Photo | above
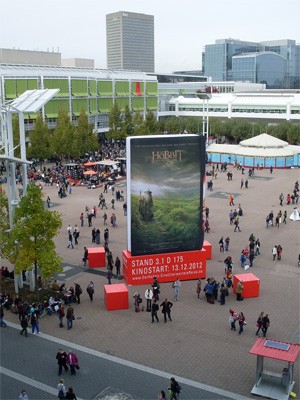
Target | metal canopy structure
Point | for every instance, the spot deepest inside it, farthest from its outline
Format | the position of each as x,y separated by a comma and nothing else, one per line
29,102
268,383
32,100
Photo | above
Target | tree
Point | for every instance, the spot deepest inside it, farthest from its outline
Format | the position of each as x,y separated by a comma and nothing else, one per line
39,138
115,122
151,125
138,124
85,137
294,134
62,140
30,244
127,126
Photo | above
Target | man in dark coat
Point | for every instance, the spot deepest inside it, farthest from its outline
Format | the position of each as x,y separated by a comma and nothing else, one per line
61,357
166,309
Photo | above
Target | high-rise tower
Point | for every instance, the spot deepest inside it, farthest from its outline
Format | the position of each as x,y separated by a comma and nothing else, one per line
130,41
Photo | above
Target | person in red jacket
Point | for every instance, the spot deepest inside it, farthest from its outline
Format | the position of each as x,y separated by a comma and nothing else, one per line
72,361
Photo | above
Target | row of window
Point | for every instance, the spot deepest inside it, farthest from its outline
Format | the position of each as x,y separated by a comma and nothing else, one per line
235,110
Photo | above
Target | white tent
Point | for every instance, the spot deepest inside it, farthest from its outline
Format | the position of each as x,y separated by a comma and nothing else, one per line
261,147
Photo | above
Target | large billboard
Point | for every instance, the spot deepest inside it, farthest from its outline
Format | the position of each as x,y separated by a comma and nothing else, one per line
164,193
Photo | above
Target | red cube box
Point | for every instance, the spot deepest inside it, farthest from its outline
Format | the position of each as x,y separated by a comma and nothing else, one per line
208,247
250,282
96,257
116,297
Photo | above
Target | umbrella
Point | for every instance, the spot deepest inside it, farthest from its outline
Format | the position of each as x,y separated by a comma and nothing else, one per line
90,173
89,164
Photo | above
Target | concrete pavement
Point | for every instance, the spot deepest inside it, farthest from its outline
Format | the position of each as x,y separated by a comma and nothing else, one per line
198,344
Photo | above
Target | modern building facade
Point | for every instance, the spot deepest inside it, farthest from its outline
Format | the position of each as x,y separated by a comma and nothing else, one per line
95,91
130,41
268,67
217,60
88,89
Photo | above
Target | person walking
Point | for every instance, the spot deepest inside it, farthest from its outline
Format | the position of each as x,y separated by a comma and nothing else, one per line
279,252
259,322
34,323
237,224
198,288
76,234
81,218
284,217
61,314
70,241
3,324
61,357
109,276
61,389
154,309
257,247
227,241
78,292
174,389
239,290
118,266
90,290
221,244
70,316
72,361
232,319
265,324
222,294
166,309
24,325
176,285
148,296
85,256
281,198
23,395
105,218
274,253
241,321
70,395
93,235
156,288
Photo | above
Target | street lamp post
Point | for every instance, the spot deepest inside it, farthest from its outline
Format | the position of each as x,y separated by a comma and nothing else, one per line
205,97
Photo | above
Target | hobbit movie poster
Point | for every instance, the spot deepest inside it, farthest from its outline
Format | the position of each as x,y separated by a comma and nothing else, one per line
164,193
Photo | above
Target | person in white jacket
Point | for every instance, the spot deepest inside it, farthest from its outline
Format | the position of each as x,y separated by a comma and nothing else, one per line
149,296
176,285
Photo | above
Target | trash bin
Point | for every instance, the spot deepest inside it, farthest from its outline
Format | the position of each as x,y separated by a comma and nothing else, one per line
285,379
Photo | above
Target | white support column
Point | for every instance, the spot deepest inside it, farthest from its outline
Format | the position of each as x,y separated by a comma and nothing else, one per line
23,152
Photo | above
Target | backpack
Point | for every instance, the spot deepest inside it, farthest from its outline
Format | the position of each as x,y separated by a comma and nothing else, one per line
177,388
61,394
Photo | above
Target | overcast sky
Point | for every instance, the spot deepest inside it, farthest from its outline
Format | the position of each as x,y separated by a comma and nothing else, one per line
182,27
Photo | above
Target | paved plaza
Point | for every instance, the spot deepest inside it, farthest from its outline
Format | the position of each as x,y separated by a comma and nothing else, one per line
197,345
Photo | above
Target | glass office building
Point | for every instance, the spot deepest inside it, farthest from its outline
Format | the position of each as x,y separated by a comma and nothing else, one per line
218,60
268,67
130,41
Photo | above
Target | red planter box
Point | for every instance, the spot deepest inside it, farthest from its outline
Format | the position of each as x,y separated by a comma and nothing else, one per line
250,282
208,247
116,297
96,257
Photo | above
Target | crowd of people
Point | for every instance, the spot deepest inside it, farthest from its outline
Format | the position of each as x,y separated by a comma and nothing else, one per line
216,290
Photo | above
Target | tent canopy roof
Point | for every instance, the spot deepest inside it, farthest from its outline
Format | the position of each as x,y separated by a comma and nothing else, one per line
264,141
